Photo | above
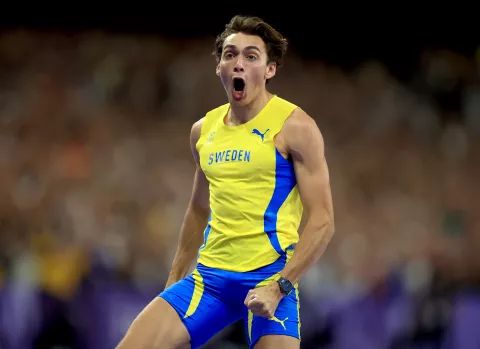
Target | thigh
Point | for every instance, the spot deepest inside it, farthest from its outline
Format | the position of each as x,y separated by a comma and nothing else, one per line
157,326
277,342
199,307
283,329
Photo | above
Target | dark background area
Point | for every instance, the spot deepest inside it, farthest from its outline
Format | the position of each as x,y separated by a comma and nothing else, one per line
394,35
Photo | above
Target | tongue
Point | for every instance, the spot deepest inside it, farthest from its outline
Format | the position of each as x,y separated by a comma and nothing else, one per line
237,95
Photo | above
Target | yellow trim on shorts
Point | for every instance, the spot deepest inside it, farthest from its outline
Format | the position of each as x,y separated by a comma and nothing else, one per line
197,293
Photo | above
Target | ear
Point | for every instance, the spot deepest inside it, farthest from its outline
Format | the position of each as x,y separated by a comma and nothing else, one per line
271,70
217,70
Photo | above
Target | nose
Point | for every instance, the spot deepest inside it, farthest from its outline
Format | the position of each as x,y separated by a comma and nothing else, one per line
238,66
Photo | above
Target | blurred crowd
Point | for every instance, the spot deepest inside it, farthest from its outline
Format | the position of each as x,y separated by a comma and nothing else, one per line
97,172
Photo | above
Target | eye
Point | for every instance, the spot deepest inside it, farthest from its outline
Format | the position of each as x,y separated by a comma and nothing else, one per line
228,55
251,57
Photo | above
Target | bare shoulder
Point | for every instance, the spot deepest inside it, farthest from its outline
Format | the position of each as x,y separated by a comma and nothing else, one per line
196,130
195,134
301,132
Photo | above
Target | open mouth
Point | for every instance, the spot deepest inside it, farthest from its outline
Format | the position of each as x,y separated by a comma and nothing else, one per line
238,88
238,84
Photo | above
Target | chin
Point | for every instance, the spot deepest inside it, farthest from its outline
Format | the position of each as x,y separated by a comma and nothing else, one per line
240,103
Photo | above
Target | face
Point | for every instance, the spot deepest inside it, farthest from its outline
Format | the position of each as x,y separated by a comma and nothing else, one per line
243,67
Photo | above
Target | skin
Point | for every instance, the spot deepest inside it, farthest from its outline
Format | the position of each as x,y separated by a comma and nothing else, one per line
245,56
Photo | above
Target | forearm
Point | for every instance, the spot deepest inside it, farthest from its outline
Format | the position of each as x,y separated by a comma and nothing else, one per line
191,238
310,247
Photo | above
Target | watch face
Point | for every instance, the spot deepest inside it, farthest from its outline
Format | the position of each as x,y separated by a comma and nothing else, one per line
286,285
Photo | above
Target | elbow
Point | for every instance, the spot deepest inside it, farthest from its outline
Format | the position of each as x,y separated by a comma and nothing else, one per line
330,228
324,224
325,235
319,219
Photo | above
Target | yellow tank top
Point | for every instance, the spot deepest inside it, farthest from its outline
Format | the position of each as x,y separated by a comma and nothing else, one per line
254,200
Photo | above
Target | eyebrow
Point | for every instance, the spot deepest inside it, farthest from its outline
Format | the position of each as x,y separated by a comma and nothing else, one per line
246,48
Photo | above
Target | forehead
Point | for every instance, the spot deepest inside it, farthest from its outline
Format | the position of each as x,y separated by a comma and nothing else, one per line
241,40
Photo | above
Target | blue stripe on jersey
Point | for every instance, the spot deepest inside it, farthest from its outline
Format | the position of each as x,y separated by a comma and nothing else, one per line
206,233
285,181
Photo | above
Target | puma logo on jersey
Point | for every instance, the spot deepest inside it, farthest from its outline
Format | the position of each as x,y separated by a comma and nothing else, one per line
258,133
281,322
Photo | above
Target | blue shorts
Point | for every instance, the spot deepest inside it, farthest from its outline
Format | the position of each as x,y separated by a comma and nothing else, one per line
208,300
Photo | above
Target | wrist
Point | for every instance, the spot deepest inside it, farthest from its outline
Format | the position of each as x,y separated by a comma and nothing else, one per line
275,287
285,286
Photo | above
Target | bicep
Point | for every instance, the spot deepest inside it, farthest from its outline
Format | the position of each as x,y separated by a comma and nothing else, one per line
311,169
200,191
314,184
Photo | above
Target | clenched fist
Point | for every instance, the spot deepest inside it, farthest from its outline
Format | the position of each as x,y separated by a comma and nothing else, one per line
263,301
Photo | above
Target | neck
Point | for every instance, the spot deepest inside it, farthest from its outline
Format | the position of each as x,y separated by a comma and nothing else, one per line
240,114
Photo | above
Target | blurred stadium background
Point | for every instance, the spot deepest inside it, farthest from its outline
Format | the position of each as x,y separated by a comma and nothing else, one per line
96,173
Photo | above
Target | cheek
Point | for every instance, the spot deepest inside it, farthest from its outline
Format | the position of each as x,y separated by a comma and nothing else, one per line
223,73
225,69
258,75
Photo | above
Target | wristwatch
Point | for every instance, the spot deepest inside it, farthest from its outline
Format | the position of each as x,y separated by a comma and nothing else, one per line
285,286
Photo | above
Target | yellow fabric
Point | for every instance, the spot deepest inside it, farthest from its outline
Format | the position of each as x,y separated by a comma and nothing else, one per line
254,201
197,293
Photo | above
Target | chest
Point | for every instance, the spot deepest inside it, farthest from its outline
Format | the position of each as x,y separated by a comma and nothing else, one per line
239,155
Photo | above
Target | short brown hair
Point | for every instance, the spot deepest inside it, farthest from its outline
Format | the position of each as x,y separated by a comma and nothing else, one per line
275,43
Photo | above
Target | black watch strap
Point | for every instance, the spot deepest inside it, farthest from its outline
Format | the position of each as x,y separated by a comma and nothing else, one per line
285,285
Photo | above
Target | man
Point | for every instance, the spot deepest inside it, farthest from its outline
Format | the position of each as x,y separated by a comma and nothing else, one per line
260,166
